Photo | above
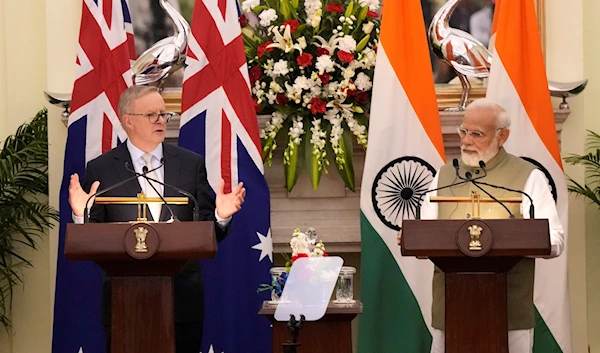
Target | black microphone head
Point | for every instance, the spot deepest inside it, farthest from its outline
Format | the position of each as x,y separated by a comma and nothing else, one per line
455,163
482,165
145,170
468,175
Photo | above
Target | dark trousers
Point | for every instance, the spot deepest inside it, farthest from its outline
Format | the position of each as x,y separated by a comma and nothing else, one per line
188,337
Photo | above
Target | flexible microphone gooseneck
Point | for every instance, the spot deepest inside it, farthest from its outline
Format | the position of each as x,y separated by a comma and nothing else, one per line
531,206
98,193
468,177
144,175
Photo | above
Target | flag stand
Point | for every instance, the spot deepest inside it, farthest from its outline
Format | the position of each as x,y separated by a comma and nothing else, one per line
294,327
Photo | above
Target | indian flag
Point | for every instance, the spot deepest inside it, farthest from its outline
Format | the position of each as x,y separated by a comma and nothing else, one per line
518,82
405,150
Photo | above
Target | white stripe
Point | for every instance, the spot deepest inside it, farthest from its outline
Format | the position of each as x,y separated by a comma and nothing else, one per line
115,35
392,116
228,27
551,295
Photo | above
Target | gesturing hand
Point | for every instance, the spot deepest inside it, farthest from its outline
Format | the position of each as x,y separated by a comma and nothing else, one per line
228,204
78,197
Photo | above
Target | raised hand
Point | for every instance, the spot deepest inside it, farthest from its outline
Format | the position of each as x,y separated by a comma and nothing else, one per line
78,197
228,204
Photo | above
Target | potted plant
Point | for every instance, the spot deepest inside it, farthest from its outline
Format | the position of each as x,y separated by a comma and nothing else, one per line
591,161
25,214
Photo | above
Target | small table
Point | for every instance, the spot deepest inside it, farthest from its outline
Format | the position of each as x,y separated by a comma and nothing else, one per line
331,334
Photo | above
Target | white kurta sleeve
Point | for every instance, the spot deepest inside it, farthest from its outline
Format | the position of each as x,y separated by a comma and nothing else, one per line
545,208
429,210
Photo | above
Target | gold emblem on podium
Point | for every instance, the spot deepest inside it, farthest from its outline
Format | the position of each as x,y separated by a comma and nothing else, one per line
475,232
140,236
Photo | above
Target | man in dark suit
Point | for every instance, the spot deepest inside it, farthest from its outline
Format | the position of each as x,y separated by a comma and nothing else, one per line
143,116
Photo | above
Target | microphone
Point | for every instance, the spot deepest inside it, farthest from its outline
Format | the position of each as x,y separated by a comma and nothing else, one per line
531,206
98,193
469,178
145,171
196,211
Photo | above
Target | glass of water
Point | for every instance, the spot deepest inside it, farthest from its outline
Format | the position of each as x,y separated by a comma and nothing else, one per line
344,287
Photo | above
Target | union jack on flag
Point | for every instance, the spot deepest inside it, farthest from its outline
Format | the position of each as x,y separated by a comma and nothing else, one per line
103,61
219,122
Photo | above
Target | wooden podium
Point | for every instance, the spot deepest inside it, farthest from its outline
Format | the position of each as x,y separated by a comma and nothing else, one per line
141,258
475,255
331,334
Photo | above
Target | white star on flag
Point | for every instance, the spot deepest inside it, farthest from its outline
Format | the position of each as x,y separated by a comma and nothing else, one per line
265,246
211,350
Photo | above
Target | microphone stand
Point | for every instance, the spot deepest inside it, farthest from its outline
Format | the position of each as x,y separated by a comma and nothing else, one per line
294,327
145,176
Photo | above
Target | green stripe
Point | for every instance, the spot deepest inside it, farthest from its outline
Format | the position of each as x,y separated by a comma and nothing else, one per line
391,320
543,339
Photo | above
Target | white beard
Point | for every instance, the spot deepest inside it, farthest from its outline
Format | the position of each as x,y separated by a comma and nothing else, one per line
472,160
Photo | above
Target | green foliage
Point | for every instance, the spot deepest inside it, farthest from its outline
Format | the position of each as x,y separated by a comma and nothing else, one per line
591,161
24,211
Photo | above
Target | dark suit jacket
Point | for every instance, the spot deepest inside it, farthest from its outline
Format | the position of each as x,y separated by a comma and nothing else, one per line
183,169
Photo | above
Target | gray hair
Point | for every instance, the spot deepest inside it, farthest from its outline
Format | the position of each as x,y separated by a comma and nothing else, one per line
131,94
502,119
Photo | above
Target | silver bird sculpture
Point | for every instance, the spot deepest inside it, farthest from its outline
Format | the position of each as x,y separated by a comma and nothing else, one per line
62,100
459,49
166,56
566,89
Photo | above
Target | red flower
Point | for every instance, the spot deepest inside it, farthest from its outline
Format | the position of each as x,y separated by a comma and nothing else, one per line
345,56
281,99
362,97
325,254
322,51
325,78
257,107
294,258
243,21
263,47
304,60
372,14
294,24
317,106
350,92
255,74
337,8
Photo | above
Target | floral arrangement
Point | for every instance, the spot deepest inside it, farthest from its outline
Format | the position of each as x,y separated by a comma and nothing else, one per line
311,65
303,244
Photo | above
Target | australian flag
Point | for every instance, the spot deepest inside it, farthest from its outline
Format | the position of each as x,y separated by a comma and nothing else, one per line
219,122
103,62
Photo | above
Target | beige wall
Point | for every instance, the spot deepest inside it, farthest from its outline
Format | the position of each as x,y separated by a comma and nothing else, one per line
42,53
591,19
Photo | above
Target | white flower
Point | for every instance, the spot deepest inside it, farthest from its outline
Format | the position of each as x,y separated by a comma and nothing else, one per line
276,87
281,68
348,73
302,42
369,58
368,27
372,4
313,12
347,43
363,82
267,16
249,5
302,82
324,64
285,41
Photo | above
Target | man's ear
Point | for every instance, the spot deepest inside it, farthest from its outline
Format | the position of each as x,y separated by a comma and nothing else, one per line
126,122
503,136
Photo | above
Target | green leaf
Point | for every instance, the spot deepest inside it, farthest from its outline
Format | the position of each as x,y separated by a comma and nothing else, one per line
349,9
286,9
312,160
362,15
363,43
260,8
296,159
347,168
295,4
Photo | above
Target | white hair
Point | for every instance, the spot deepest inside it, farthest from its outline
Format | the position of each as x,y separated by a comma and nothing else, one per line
502,119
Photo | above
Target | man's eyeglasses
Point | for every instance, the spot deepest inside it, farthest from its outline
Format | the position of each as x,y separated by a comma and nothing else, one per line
476,134
153,117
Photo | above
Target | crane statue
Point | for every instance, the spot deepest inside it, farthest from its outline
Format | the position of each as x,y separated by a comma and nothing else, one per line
167,55
459,49
469,57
